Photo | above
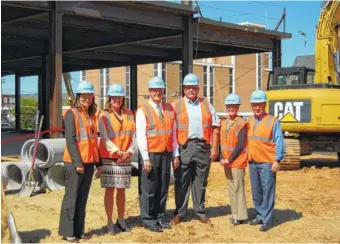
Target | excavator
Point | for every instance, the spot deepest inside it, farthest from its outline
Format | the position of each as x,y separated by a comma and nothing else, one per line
307,101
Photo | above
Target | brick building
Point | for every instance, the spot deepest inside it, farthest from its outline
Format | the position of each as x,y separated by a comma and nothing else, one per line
218,77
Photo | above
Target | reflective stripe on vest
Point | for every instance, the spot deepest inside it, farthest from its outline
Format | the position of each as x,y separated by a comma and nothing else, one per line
82,130
178,112
231,149
112,133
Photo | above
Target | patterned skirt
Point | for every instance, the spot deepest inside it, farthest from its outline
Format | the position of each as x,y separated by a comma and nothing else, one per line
114,175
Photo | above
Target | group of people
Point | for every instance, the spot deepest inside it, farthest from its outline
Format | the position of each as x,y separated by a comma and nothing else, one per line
186,135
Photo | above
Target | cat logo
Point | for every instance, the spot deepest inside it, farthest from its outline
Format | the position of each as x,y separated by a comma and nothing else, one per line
291,111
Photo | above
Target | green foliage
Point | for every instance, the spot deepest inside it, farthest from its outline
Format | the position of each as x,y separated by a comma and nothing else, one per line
28,110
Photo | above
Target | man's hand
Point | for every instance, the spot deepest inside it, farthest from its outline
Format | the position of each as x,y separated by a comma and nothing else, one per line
213,153
80,169
147,166
275,167
222,162
175,162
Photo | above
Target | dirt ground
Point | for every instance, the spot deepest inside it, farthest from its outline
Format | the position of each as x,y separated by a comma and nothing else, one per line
307,210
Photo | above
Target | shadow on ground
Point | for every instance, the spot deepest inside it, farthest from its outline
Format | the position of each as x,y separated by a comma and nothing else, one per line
320,162
34,236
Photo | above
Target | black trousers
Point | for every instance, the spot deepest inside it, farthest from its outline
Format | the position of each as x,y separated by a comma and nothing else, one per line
73,208
154,187
193,173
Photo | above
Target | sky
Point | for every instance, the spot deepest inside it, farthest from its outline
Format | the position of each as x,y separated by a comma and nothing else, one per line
300,16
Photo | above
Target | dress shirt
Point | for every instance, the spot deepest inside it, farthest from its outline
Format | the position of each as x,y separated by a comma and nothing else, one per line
141,133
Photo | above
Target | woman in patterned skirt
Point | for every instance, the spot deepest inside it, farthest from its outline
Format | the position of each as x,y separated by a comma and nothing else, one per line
117,130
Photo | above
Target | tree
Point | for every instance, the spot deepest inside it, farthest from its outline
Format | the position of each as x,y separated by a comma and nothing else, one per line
28,111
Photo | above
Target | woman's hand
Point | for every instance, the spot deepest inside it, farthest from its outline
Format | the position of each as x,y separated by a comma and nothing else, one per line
80,169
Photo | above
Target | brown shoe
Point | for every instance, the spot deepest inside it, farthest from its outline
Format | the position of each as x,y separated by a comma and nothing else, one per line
205,220
175,220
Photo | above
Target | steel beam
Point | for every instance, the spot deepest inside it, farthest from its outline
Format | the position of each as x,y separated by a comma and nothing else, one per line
126,14
17,102
228,39
187,50
23,18
138,49
23,31
133,88
55,62
99,55
110,41
37,5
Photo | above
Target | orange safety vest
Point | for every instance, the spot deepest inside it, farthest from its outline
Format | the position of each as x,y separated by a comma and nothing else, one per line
229,141
87,140
120,133
182,120
158,135
261,147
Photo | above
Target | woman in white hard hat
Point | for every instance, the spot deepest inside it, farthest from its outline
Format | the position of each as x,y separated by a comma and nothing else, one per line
233,141
80,155
117,130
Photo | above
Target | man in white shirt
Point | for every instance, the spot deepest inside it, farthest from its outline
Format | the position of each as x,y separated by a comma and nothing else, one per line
198,137
157,143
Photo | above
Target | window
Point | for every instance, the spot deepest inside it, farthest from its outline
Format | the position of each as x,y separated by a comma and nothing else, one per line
211,94
5,100
231,84
104,81
155,69
164,79
205,81
180,80
159,69
259,71
269,60
127,87
208,83
83,75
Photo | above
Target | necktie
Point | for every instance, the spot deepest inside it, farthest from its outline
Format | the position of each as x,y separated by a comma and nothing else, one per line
160,114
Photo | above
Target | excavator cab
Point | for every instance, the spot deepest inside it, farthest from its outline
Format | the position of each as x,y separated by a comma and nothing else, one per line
294,78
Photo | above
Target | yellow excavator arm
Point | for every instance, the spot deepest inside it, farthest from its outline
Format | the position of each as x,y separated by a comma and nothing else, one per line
327,49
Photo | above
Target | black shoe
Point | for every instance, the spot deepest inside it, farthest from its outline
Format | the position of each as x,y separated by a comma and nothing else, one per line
264,227
238,222
255,222
164,225
127,229
153,228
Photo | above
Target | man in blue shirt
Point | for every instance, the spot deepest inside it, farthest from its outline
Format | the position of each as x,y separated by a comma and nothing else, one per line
198,135
265,152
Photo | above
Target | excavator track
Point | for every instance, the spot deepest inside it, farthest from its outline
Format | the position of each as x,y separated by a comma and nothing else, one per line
291,160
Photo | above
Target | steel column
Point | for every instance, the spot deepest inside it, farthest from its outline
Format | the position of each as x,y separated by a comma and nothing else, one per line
187,49
133,88
17,102
55,64
44,94
276,57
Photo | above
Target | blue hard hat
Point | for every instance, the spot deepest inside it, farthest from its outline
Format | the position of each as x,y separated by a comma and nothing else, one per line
232,99
156,82
258,96
116,90
191,80
85,87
